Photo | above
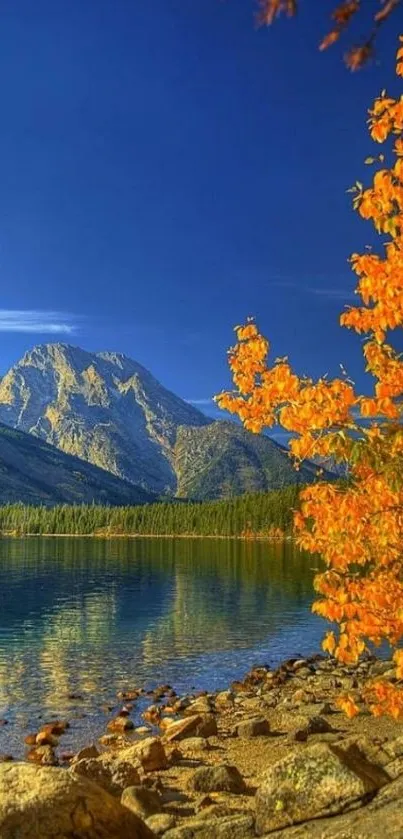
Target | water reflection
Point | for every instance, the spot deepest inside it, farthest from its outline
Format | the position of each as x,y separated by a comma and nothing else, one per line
91,617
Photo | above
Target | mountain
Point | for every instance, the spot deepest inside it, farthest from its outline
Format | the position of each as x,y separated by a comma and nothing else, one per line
109,410
222,459
33,472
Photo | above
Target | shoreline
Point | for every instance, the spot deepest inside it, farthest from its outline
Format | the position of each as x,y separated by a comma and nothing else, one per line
231,764
5,535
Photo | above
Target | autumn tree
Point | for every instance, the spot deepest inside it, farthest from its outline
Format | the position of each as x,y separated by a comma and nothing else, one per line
357,527
375,13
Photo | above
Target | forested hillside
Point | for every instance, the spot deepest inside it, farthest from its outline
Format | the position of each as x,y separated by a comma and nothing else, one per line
256,513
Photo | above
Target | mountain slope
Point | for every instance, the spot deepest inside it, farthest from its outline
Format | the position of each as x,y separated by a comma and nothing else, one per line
102,407
33,472
110,411
222,459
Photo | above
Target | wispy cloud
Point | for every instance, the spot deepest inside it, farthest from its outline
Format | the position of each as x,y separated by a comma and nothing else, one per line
342,294
37,321
200,401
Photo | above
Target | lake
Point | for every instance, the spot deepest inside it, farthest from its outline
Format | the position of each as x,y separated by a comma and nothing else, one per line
88,617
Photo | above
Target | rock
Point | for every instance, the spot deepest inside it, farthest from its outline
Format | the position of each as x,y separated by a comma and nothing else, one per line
191,727
195,744
381,817
230,827
30,739
201,706
142,801
87,752
318,781
45,739
207,727
221,778
149,752
57,727
108,739
225,697
217,811
258,727
313,725
152,714
161,822
119,724
49,803
43,755
129,695
111,772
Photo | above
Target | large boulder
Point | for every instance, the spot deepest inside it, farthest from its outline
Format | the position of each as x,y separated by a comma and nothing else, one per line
382,817
109,771
38,802
320,780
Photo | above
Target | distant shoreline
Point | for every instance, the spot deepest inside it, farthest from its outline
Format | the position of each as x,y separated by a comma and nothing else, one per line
106,536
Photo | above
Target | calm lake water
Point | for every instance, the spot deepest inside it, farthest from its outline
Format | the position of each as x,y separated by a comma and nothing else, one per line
92,617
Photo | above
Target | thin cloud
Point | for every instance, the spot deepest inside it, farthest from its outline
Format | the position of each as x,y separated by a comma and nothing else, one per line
319,291
200,401
37,321
333,293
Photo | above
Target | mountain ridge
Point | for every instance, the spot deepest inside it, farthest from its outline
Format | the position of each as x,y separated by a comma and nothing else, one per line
109,410
34,472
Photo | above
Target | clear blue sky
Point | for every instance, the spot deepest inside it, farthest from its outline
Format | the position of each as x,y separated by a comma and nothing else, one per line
167,169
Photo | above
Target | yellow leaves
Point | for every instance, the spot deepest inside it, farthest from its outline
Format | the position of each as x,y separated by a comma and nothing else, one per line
368,407
399,62
398,659
348,705
244,333
356,526
329,39
329,643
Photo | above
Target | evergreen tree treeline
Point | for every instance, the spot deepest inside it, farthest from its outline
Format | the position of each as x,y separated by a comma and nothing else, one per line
252,514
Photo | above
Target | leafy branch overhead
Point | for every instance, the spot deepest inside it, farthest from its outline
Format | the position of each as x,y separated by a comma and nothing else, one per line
375,14
356,527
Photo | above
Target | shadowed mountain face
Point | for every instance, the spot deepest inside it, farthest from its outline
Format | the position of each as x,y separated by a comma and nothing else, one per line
33,472
109,410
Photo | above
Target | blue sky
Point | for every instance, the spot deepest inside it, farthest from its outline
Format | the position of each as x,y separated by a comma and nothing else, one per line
167,170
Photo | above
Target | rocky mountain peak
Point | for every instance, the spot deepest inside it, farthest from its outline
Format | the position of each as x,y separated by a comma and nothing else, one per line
109,410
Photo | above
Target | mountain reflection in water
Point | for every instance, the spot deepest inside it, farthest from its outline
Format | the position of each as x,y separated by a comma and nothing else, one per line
90,617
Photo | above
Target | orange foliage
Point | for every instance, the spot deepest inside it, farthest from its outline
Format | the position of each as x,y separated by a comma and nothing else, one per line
356,525
342,16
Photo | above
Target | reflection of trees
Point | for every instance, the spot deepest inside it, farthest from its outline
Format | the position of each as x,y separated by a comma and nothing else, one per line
230,594
83,614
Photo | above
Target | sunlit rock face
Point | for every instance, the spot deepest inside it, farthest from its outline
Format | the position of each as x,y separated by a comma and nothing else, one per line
109,410
103,407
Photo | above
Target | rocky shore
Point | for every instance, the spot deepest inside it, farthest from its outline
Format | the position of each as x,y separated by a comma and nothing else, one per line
272,756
